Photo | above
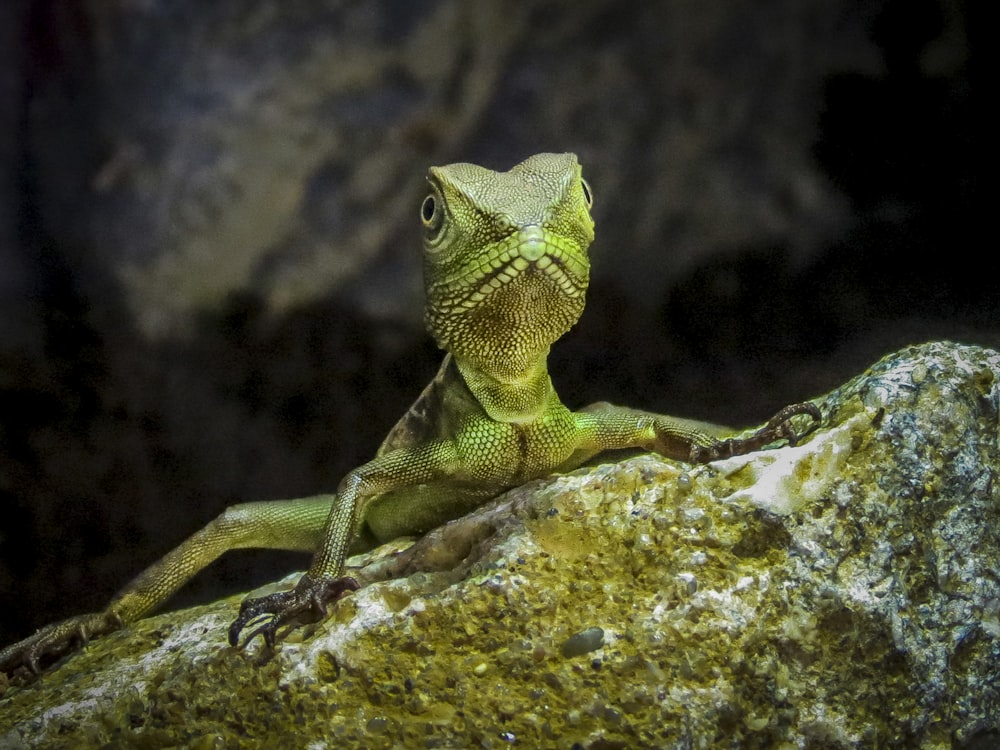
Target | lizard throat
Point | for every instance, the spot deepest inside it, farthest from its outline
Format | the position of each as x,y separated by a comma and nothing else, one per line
503,309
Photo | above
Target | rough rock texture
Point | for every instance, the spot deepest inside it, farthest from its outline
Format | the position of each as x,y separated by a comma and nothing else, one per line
842,593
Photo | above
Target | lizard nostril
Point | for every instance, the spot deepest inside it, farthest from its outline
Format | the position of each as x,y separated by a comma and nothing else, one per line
531,242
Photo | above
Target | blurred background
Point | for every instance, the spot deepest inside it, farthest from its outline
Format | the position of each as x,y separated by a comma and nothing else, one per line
210,248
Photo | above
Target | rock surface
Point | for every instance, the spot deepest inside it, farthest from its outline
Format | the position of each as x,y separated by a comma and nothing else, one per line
841,593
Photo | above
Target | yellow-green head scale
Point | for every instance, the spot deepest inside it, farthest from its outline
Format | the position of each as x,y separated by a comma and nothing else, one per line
505,259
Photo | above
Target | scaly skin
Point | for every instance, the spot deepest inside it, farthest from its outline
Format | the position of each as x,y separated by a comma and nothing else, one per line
506,272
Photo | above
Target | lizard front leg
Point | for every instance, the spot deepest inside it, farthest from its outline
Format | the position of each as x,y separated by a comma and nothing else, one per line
605,427
324,582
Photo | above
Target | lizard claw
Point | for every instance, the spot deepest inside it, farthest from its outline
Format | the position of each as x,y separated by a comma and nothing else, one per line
305,603
52,641
779,427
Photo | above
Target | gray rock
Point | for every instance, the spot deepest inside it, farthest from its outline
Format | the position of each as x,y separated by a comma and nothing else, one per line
841,593
279,149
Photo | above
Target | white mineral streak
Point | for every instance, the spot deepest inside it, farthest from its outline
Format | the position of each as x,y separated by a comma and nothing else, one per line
784,480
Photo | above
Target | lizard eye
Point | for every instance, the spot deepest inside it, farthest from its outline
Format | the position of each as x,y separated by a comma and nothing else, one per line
431,214
588,196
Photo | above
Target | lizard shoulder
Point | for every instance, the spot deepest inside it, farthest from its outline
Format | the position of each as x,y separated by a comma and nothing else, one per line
437,411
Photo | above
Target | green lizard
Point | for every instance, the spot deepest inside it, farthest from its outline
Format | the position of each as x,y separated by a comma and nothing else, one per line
506,271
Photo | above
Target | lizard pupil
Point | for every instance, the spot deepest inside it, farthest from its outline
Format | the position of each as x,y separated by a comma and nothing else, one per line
588,196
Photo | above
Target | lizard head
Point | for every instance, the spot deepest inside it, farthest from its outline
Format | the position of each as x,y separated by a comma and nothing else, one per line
505,259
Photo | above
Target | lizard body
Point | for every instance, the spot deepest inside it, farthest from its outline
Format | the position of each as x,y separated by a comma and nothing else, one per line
506,272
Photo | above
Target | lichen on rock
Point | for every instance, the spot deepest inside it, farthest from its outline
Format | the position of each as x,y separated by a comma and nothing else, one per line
840,593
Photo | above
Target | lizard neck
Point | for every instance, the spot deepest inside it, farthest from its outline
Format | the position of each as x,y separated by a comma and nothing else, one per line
514,398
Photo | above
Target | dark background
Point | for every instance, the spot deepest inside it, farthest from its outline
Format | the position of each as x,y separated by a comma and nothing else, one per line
785,192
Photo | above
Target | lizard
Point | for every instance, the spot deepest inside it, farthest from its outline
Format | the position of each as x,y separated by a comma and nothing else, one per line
506,270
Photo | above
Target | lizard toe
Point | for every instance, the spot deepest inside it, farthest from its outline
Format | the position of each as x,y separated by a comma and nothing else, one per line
306,603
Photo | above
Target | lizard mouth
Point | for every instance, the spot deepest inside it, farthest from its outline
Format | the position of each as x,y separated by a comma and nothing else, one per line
531,250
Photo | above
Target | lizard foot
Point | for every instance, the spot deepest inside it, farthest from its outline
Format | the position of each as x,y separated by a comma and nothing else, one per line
305,603
50,642
779,427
